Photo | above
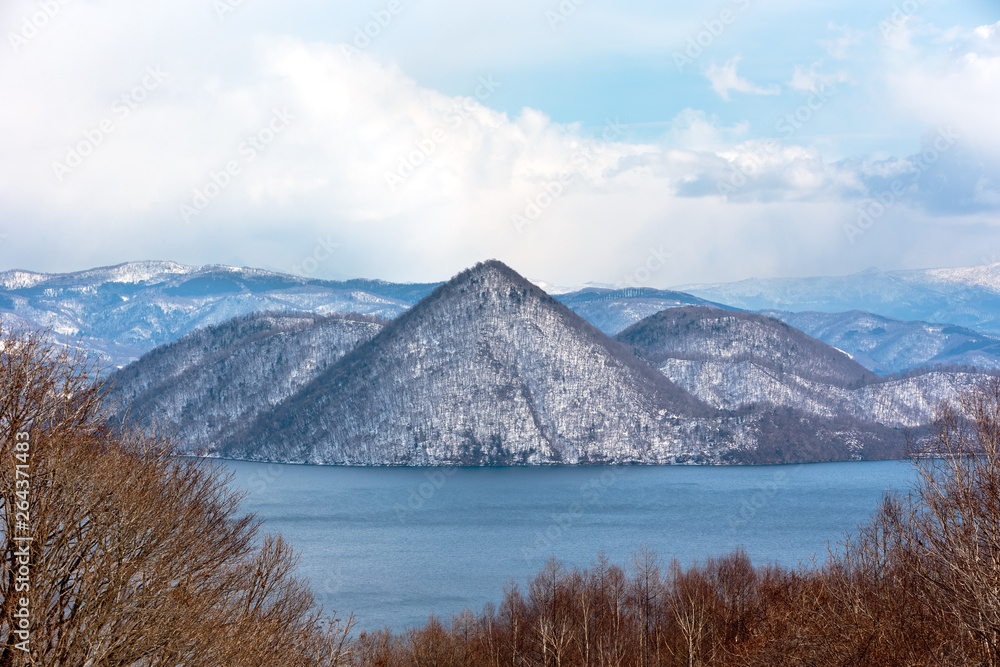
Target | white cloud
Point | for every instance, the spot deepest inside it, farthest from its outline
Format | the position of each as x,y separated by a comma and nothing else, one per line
724,79
987,32
695,130
958,85
987,192
352,122
839,48
810,79
325,175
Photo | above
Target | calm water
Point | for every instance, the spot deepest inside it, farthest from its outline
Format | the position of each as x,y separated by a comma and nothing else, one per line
394,544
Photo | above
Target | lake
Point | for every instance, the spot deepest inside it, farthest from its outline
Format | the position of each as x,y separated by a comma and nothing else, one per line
395,544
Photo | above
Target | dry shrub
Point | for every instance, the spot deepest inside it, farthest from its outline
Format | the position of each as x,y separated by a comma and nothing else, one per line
137,557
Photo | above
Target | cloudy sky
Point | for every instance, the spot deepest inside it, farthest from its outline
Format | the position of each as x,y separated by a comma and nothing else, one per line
577,141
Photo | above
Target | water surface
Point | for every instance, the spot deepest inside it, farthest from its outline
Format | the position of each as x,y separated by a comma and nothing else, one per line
394,544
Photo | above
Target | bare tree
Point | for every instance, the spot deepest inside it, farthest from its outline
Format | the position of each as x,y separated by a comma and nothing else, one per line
949,529
134,556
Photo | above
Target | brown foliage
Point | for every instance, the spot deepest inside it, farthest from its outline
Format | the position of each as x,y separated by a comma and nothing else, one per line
138,557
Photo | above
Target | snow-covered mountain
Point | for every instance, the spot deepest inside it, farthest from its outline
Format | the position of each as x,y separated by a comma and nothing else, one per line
734,360
985,276
125,310
208,382
886,345
701,333
489,369
968,297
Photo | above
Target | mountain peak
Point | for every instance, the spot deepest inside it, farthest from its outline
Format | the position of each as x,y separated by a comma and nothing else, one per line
486,369
870,271
492,268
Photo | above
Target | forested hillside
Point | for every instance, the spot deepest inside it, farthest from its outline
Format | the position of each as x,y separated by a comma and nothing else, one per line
733,360
210,382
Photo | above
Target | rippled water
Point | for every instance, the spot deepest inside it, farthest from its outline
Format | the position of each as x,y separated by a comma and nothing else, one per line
394,544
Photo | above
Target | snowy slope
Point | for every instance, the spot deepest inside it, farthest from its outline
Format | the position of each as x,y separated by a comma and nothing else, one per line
208,383
734,360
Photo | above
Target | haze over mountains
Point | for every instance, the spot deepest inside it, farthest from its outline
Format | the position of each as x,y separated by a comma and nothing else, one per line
968,297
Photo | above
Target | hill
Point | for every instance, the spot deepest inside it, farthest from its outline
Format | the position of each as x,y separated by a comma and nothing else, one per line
614,310
213,380
736,360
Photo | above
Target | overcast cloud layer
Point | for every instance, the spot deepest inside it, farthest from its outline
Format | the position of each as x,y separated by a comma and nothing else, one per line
576,142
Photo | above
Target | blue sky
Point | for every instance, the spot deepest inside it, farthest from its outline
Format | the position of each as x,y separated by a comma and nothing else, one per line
573,140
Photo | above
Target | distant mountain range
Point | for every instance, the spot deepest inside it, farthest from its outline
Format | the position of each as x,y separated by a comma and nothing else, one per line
886,345
968,297
489,369
614,310
124,311
888,322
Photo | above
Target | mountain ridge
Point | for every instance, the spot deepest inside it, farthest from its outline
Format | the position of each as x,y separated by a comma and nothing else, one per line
965,296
